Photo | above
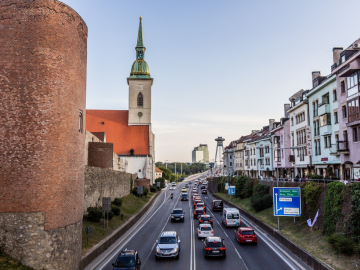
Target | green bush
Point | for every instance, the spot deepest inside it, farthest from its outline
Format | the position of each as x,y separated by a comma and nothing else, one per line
260,202
145,191
248,189
134,191
334,198
94,214
355,211
153,189
342,245
311,193
115,210
261,189
117,201
131,183
161,180
109,215
239,186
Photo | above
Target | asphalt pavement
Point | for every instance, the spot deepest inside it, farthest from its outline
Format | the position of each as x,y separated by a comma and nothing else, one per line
267,254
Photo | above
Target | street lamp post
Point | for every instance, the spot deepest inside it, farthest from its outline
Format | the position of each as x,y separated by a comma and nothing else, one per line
277,169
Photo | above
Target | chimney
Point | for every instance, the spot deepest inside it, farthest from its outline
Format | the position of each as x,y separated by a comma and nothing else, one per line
336,54
271,124
286,108
315,74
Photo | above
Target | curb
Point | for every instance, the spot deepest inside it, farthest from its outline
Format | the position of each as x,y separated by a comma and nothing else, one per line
301,253
104,244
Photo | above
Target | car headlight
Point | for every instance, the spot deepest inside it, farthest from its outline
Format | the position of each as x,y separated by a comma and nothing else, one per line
182,216
172,216
158,249
174,250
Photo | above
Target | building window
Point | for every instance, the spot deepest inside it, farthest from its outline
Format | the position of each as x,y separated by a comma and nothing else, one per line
230,163
342,84
325,119
336,117
292,139
292,121
325,99
267,149
343,109
353,109
355,131
140,100
352,84
334,95
345,136
327,141
81,121
251,162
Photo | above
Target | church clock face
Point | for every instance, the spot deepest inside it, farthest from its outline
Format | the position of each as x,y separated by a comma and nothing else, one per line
140,87
140,114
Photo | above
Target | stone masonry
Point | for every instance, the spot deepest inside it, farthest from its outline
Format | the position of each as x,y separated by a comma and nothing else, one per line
101,182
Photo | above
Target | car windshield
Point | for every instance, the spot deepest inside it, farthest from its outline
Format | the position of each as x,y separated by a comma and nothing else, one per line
199,211
232,216
205,218
206,228
214,244
218,203
177,212
125,261
247,232
200,204
184,195
167,240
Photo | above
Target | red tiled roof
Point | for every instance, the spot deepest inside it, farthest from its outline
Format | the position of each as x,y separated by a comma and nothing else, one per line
115,125
157,169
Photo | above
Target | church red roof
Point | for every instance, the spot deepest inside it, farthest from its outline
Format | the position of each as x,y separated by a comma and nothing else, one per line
115,125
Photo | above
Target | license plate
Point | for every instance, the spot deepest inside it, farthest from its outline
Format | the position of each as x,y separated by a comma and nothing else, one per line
177,218
248,240
215,251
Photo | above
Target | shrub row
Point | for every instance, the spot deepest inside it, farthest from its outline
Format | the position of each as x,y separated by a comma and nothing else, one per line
261,199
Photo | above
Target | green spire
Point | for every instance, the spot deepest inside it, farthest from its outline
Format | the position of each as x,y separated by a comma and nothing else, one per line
140,68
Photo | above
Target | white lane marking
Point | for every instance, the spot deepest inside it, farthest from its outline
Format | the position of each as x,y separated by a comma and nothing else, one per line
191,239
271,243
230,240
161,232
102,263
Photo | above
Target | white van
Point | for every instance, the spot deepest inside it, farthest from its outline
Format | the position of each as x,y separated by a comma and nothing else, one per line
230,217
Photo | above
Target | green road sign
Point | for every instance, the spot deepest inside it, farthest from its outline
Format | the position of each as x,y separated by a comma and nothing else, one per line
287,192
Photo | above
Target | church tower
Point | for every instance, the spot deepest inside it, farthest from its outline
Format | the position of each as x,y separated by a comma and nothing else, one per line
140,84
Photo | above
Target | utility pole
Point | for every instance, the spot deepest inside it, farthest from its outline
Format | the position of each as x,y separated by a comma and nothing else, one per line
175,172
166,162
181,169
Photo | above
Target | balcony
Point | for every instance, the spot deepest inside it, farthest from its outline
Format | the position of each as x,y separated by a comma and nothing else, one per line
323,108
342,147
326,130
292,158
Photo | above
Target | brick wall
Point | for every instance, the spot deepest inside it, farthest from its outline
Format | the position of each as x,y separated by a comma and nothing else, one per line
43,52
101,182
100,155
142,182
89,137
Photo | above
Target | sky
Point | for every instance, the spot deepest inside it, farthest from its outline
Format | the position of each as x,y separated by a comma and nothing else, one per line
220,68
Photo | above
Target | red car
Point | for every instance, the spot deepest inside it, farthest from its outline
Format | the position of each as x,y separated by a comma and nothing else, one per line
245,235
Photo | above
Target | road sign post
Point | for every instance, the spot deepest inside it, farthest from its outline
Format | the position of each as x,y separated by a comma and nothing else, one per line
88,230
231,191
106,205
287,202
140,192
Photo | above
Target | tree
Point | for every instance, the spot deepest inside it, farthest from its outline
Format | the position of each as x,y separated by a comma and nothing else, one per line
166,173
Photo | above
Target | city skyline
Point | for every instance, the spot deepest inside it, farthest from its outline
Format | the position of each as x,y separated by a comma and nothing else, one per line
198,90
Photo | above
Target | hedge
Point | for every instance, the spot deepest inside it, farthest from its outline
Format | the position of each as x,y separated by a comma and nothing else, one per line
334,198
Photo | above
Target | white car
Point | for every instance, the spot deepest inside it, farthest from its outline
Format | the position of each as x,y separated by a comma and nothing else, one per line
172,188
205,230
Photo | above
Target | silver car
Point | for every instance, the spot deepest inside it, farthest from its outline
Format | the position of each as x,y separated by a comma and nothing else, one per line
168,245
205,230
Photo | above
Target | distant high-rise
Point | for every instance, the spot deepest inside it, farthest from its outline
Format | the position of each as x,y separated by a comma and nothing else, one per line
200,154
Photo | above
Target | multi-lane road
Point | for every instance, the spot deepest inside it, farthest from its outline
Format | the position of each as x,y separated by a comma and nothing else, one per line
267,254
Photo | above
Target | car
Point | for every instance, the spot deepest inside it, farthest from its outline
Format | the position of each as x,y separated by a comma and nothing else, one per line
168,245
177,215
190,183
245,235
184,197
172,188
204,191
127,259
198,212
200,205
200,182
202,187
217,205
186,185
204,219
231,217
173,184
183,190
214,246
196,201
204,230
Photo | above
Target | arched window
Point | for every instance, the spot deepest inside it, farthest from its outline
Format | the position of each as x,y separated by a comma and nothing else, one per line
140,100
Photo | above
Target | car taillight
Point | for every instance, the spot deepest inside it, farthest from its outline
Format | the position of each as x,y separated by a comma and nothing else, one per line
223,248
199,231
211,220
207,248
226,222
200,221
212,231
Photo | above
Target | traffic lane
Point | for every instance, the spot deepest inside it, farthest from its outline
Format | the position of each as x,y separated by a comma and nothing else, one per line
232,260
259,256
183,230
144,239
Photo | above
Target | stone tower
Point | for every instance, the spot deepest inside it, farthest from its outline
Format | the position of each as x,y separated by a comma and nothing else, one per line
140,84
43,52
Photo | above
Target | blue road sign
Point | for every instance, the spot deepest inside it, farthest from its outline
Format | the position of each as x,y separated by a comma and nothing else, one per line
231,190
287,201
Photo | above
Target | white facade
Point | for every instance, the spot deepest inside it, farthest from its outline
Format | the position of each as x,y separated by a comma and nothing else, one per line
142,165
299,123
140,113
197,156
